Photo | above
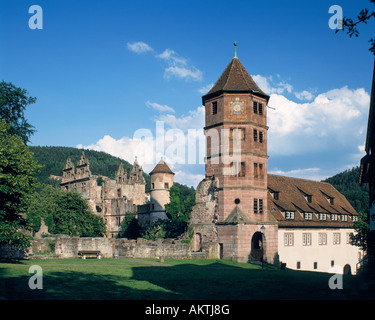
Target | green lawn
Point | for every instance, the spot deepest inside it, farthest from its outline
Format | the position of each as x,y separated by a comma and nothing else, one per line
139,279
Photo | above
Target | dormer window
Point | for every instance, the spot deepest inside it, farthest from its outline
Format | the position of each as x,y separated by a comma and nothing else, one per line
274,194
330,200
308,215
308,197
289,215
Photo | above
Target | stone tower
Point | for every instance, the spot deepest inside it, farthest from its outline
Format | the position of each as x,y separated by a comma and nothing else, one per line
161,180
236,165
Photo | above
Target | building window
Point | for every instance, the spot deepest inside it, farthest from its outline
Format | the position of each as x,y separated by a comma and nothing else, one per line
258,170
344,217
354,218
288,239
276,195
298,264
261,108
238,169
322,238
118,193
214,107
315,265
242,172
306,239
255,170
240,132
322,216
348,237
308,216
334,217
336,238
261,136
258,205
289,215
258,107
255,133
166,185
152,186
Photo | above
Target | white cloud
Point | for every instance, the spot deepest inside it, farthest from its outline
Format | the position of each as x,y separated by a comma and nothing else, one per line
304,95
334,118
184,73
269,86
178,66
173,141
159,107
193,120
308,173
205,89
139,47
189,179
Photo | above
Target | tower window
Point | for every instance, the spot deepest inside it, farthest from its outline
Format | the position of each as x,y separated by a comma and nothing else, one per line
238,169
260,108
166,185
255,135
240,133
255,107
214,107
258,205
261,136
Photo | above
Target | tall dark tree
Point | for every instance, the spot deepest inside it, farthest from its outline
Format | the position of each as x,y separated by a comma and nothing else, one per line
13,102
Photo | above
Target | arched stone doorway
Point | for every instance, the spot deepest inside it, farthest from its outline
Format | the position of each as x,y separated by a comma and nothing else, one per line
197,242
257,247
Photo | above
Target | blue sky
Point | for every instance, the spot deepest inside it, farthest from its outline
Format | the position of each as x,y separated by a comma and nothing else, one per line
103,70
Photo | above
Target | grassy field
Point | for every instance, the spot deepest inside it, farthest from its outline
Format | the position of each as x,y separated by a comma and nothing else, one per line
139,279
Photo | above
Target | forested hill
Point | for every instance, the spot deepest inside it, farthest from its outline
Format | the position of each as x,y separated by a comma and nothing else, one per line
347,182
53,160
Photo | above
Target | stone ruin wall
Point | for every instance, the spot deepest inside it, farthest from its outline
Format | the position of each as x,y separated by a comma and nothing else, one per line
68,247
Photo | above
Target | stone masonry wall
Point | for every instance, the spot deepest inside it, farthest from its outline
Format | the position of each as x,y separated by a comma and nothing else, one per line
68,247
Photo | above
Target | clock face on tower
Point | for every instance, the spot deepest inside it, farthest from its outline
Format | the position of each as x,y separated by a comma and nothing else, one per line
237,107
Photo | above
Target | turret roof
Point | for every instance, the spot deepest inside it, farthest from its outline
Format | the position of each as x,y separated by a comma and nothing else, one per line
235,78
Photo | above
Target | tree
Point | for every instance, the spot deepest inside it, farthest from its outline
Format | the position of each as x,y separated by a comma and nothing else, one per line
362,228
351,26
13,102
129,226
173,208
17,181
64,212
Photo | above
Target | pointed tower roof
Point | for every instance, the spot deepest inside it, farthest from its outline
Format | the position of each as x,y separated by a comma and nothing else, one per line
235,78
161,167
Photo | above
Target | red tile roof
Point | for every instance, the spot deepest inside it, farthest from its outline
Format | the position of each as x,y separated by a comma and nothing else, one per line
161,167
235,78
301,196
